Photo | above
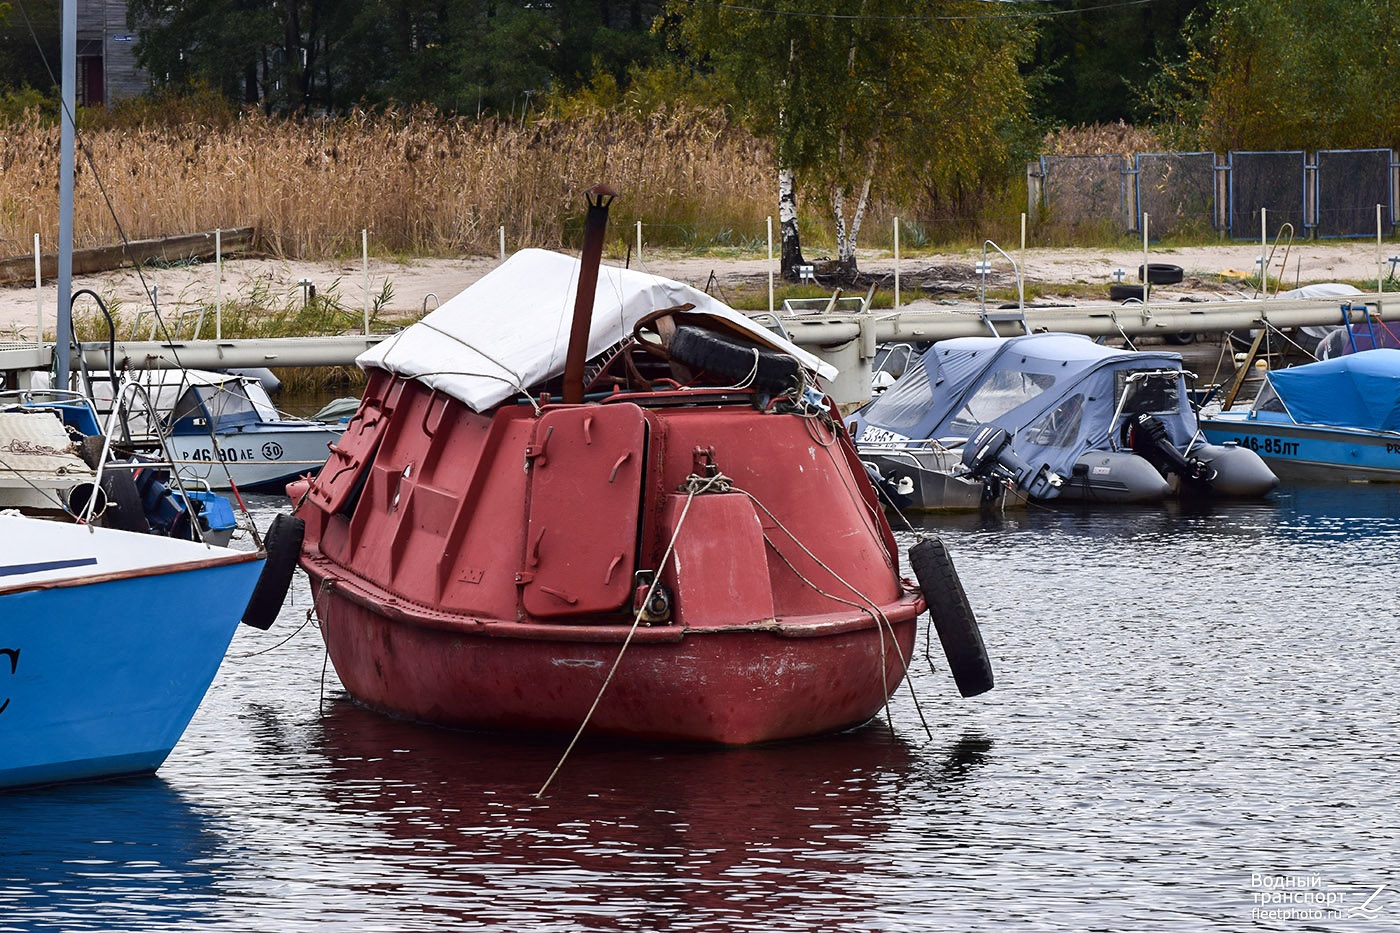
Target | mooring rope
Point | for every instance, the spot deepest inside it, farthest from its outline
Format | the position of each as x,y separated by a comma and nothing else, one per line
695,485
878,614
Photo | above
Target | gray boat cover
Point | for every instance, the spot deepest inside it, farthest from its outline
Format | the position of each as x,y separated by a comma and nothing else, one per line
1056,394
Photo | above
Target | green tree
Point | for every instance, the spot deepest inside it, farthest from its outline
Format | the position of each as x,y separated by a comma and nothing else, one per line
1285,74
1090,59
254,51
885,93
462,56
21,57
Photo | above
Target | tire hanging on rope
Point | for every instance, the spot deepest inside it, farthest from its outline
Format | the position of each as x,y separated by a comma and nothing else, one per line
282,545
952,616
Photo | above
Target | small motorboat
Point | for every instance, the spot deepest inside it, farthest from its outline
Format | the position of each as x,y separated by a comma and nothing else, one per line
223,429
1045,416
646,521
111,638
1337,419
55,462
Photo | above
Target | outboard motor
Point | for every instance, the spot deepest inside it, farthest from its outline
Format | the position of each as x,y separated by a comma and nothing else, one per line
1147,437
169,515
988,456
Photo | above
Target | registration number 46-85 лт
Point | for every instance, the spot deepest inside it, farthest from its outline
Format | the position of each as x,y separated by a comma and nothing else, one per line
1269,445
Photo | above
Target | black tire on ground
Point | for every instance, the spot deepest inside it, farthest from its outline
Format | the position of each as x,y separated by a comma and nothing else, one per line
1162,273
282,544
1180,340
124,509
1125,292
952,616
732,359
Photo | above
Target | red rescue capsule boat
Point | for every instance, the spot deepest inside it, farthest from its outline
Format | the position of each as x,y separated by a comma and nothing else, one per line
688,540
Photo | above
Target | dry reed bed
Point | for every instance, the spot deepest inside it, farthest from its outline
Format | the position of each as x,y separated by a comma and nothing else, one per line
422,185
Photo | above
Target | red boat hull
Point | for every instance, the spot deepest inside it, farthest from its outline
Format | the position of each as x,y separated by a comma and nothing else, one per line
484,570
731,686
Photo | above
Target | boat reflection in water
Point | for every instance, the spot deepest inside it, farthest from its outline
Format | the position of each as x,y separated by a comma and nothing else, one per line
646,838
125,855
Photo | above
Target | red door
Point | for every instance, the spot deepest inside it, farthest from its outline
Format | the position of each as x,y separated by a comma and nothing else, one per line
584,503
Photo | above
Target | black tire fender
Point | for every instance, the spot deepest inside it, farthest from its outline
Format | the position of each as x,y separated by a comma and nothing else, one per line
1161,273
952,616
771,371
1125,292
282,546
125,512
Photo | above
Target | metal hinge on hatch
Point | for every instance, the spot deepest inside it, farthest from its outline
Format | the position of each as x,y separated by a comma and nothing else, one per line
536,451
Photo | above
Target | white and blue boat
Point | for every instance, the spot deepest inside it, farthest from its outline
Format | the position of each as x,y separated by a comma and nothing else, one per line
109,640
1337,420
222,429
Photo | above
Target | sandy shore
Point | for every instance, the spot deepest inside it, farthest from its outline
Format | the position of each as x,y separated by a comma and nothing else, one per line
423,283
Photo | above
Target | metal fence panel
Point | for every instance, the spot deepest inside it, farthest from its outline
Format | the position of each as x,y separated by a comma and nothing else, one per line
1266,180
1350,183
1086,190
1177,192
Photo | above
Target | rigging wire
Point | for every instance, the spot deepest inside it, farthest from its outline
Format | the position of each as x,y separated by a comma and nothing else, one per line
101,187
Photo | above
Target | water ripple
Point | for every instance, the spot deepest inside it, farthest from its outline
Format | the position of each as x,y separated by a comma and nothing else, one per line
1185,703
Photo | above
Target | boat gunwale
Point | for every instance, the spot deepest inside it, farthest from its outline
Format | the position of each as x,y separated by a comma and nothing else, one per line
134,573
406,611
1230,420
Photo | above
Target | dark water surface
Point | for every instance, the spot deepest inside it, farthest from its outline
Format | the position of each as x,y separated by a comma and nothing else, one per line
1192,710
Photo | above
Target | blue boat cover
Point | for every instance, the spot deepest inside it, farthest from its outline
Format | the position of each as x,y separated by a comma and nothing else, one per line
1058,395
1359,390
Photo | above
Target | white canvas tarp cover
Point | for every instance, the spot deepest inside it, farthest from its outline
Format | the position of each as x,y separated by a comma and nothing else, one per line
510,330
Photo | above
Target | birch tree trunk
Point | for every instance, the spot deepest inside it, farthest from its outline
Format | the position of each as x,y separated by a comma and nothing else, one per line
848,233
787,225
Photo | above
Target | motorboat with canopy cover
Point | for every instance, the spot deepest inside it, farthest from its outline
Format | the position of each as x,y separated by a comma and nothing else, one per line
1054,415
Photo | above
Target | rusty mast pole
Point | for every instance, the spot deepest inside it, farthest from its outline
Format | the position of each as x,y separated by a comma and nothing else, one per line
600,197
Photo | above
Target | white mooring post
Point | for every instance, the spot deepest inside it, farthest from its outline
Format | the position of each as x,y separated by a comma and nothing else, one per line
1146,286
1381,276
896,264
1263,252
639,242
770,263
1022,255
219,284
38,292
502,233
364,259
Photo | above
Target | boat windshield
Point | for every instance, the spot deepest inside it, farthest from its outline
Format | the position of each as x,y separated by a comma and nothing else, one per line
1003,391
1152,392
905,404
1060,426
226,401
1268,400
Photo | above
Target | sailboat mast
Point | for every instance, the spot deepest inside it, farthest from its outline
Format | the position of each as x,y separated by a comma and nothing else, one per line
69,82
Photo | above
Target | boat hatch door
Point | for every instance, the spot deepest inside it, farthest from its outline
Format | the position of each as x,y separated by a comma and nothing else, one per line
349,457
584,503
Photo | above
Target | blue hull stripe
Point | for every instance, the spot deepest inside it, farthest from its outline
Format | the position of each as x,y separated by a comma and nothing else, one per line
15,569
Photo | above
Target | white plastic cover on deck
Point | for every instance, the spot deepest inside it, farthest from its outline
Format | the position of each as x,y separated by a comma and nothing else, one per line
510,330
